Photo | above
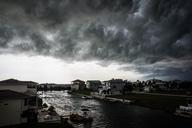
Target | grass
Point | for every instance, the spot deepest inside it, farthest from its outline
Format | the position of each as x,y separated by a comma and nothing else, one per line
165,103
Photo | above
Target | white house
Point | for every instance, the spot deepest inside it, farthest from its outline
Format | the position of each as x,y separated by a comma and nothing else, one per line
12,106
93,84
156,85
78,85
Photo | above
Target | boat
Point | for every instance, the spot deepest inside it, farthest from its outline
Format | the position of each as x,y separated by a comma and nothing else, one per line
184,111
82,117
87,97
48,115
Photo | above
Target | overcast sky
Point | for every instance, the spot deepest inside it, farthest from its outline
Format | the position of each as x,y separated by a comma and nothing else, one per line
61,40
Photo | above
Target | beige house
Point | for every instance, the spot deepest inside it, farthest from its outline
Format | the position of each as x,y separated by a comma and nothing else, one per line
12,106
114,86
19,86
78,85
16,98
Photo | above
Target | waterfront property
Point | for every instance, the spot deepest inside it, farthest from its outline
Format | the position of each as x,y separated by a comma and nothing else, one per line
18,99
12,106
78,85
113,86
25,87
93,85
19,86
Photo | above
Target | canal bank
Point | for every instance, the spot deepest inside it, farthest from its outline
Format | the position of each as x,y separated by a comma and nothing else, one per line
167,103
160,102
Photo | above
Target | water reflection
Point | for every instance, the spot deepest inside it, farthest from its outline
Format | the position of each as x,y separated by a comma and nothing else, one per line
114,115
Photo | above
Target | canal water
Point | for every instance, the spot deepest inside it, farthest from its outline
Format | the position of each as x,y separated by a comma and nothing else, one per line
113,115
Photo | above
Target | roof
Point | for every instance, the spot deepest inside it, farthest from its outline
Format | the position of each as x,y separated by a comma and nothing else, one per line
16,82
77,80
116,80
8,94
93,81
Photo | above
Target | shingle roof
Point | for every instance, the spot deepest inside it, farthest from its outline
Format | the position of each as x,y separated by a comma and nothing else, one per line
94,81
16,82
8,94
77,80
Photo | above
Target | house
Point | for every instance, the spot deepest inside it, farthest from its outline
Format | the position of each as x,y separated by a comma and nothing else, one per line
155,85
78,85
128,88
114,86
93,85
24,87
18,86
147,88
13,105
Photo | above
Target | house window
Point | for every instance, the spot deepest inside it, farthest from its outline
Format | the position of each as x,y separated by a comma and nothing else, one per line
25,102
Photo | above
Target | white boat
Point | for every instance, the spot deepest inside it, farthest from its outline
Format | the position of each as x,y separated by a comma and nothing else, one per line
184,111
87,97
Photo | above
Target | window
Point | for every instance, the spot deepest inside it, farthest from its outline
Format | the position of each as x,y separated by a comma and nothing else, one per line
25,102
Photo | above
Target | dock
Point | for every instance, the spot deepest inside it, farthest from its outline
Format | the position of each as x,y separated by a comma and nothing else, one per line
110,99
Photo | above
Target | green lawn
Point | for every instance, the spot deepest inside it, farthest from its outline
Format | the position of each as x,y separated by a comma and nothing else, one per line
166,103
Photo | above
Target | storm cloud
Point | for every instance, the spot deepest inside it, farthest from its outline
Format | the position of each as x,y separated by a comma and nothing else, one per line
153,36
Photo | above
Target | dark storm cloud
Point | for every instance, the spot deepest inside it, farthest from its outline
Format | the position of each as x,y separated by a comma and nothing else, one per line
155,36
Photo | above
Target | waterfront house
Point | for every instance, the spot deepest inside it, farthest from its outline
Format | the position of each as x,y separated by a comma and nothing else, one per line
25,87
18,86
12,106
114,86
78,85
93,85
155,85
147,89
128,88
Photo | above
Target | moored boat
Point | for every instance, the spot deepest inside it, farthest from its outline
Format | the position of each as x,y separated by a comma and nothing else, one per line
87,97
184,111
82,117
